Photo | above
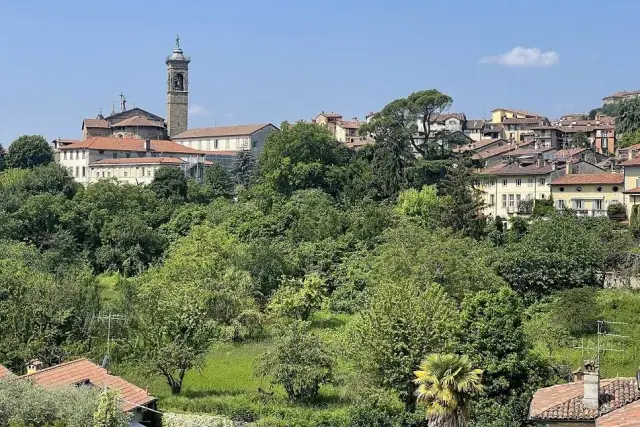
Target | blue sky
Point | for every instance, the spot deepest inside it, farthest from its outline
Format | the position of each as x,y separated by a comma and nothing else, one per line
269,61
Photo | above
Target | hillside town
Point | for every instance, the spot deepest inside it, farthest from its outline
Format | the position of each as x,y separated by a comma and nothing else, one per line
407,267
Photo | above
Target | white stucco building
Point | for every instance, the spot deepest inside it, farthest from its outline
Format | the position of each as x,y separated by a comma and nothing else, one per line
128,160
222,143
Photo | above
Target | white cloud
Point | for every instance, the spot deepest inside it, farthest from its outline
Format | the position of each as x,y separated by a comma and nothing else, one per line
524,57
198,110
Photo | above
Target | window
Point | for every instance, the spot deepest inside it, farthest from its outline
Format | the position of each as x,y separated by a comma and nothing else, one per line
84,154
77,171
504,200
226,144
125,174
128,155
605,143
531,181
103,174
541,181
115,155
517,200
615,189
77,154
543,196
561,189
101,152
83,170
215,144
511,200
504,182
577,204
64,155
578,188
518,182
599,189
492,200
254,144
560,204
142,171
149,172
597,205
109,174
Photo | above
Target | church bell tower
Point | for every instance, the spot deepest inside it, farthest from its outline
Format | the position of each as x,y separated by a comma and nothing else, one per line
177,90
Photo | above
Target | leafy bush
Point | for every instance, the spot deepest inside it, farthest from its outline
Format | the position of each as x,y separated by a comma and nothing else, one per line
299,362
297,299
189,420
617,210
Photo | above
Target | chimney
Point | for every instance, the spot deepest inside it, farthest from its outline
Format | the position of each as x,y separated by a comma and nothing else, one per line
568,167
540,160
630,154
553,165
34,366
147,145
591,372
613,165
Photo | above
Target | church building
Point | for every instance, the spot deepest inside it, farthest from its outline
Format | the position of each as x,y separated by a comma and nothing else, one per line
131,144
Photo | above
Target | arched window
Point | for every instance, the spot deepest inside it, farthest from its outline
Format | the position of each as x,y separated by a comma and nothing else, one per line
178,82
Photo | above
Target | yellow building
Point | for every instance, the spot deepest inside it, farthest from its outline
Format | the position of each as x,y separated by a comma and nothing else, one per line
499,114
632,183
510,189
588,194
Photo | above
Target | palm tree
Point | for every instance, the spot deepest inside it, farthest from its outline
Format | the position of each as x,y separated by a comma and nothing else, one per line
445,383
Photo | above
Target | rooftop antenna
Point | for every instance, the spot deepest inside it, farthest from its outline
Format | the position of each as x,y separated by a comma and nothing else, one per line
113,108
601,335
109,318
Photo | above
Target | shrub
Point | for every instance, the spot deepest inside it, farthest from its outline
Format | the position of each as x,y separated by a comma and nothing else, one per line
299,362
297,299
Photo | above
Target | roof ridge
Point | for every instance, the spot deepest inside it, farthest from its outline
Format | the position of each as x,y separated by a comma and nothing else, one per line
54,367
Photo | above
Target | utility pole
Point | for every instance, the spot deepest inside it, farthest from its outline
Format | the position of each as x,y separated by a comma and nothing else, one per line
109,318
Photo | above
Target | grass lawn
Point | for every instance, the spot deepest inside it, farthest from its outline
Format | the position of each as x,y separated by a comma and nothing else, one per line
226,385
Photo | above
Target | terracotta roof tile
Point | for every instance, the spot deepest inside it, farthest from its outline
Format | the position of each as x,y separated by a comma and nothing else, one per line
138,121
349,124
515,169
475,124
130,144
219,131
525,121
4,372
633,162
567,153
521,112
635,190
564,402
446,116
140,161
495,151
70,373
590,178
95,123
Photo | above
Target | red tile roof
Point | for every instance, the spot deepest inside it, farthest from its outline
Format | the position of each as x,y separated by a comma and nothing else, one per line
627,416
635,190
567,153
521,112
475,124
4,372
140,161
71,373
95,123
514,169
139,121
564,402
633,162
590,178
527,120
130,144
349,124
495,151
219,131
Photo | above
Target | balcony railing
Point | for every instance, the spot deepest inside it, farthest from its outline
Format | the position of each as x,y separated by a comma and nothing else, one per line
590,212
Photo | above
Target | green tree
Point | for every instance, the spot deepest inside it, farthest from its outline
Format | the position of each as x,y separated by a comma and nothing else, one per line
297,298
627,115
465,212
108,413
244,168
219,181
29,151
303,156
390,336
628,139
446,383
397,123
3,154
300,362
169,183
491,332
183,305
424,206
580,140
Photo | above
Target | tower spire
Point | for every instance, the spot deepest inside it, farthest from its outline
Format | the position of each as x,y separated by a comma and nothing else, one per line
113,108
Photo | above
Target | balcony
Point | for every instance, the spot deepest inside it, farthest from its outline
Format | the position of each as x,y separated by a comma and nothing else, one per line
590,212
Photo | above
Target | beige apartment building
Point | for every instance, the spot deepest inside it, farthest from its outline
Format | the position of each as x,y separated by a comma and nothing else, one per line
506,186
127,160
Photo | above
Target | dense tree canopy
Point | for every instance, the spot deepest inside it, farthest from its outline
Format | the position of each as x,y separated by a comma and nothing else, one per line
29,151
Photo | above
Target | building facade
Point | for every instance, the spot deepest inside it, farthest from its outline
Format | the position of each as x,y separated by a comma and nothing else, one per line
127,160
133,123
500,114
222,143
588,194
